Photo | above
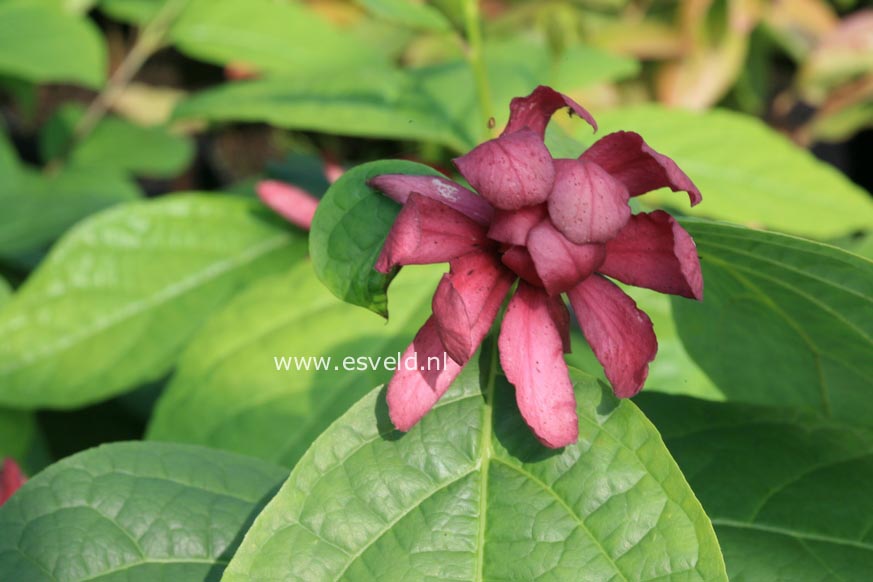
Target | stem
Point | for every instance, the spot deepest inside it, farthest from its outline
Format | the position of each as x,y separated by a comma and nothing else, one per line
150,40
476,56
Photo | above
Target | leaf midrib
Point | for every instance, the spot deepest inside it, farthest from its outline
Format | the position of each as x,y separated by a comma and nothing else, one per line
160,297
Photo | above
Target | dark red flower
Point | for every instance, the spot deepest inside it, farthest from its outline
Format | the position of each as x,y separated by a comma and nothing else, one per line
556,226
11,479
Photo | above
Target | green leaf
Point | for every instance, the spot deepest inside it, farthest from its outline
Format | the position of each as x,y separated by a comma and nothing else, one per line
348,231
40,43
271,36
469,494
783,321
583,66
17,430
789,494
408,13
40,207
367,103
132,11
115,300
133,511
747,172
117,144
275,413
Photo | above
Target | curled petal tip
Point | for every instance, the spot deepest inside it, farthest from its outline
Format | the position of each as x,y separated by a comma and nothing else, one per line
534,111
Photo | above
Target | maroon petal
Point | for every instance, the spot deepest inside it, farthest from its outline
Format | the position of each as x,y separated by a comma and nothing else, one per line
427,231
292,203
521,263
559,263
467,301
398,187
626,156
512,226
11,479
534,111
561,316
619,333
511,171
413,391
587,204
655,252
532,358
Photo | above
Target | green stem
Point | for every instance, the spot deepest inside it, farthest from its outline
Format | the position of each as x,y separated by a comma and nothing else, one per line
476,56
150,40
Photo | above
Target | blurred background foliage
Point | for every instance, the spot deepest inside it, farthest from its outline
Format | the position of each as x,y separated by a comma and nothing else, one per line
106,102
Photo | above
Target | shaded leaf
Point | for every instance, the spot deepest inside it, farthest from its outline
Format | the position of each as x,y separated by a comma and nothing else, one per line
784,321
788,493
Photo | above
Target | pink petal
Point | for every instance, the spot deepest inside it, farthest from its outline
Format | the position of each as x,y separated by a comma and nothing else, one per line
511,171
512,226
534,111
561,316
412,391
467,301
655,252
626,156
587,204
521,263
399,186
619,333
559,263
531,355
427,231
294,204
11,479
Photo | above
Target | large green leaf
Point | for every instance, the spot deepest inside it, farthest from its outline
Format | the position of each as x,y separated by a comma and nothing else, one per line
271,36
348,231
469,494
39,207
115,300
41,43
368,103
229,392
784,321
133,511
117,144
746,172
408,13
789,494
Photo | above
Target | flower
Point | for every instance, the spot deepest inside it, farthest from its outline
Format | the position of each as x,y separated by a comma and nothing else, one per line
556,226
11,479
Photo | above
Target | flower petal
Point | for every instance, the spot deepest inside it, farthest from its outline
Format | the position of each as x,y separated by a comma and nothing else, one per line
531,356
641,169
559,263
619,333
398,187
467,301
427,231
512,226
511,171
292,203
561,316
534,111
587,204
11,479
412,392
520,262
655,252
